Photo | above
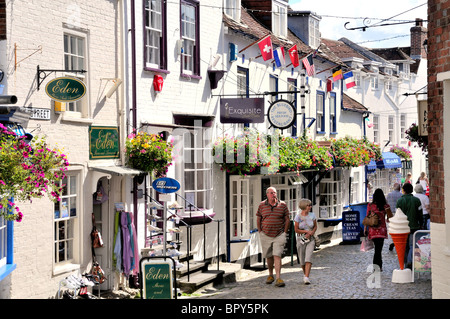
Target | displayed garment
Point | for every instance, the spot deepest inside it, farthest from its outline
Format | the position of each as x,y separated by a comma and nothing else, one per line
125,254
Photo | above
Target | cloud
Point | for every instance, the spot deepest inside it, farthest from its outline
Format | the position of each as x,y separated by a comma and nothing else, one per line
336,13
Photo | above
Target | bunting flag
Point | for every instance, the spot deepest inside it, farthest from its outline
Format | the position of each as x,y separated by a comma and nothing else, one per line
349,80
337,75
265,45
278,55
293,54
309,65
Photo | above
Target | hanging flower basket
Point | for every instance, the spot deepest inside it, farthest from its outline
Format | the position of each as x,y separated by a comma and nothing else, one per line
352,152
412,134
27,171
149,153
401,152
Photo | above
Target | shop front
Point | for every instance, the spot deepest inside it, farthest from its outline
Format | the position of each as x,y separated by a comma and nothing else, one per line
383,173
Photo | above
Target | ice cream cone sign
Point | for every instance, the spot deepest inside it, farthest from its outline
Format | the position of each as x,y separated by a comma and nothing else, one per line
399,231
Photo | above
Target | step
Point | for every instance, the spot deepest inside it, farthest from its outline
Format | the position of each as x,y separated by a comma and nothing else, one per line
200,279
194,266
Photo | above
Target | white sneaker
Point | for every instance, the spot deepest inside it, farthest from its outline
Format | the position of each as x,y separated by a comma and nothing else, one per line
306,281
153,228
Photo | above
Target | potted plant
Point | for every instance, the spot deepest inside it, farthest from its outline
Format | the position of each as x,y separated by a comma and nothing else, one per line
149,153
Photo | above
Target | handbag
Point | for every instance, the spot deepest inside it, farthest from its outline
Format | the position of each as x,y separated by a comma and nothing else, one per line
96,237
98,273
371,220
389,212
366,245
303,239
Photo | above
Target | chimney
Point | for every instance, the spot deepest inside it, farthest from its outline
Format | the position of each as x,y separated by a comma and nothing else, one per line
418,36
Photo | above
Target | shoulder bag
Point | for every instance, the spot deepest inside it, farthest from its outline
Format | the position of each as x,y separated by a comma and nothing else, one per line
371,220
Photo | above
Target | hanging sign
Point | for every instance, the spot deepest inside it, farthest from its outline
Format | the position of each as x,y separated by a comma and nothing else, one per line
65,89
157,278
238,110
422,110
281,114
166,185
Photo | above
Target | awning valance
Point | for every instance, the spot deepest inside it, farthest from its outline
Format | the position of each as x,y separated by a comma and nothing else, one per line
116,170
389,161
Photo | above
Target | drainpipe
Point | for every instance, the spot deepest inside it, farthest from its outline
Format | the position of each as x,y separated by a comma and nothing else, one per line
134,102
365,115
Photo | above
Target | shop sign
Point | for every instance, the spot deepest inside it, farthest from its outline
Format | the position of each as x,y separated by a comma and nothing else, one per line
281,114
65,89
350,226
103,142
166,185
239,110
422,110
157,278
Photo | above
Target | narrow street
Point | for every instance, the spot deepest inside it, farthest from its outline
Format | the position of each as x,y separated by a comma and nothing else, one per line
338,272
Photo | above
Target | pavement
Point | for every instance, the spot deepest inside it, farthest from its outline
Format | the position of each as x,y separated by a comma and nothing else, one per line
338,272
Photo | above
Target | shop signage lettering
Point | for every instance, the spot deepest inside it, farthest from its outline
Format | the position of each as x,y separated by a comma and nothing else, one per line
166,185
157,279
65,89
281,114
103,142
350,226
240,110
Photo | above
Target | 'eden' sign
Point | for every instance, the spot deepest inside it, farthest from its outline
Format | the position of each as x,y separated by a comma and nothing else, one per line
65,89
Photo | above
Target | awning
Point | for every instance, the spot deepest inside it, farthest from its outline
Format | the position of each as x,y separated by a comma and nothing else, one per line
116,170
389,161
108,171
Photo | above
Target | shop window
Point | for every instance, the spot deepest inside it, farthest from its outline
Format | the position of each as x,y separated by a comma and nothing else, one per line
330,190
190,62
155,35
66,212
240,209
75,59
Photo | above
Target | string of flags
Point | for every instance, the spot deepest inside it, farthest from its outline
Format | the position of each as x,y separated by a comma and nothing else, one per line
279,58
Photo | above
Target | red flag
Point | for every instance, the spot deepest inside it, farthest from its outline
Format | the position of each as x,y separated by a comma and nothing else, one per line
329,85
265,45
293,54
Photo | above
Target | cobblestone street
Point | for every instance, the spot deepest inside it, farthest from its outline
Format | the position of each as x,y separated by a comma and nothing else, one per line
338,272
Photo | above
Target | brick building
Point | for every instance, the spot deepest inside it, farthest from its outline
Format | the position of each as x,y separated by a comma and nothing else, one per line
438,136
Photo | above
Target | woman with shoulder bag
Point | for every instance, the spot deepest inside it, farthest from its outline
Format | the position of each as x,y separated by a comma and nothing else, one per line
377,233
305,223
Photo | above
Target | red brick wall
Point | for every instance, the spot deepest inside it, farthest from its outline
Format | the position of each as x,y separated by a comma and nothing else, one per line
2,19
438,61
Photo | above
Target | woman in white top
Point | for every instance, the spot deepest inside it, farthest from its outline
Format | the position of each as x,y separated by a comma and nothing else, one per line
305,227
423,180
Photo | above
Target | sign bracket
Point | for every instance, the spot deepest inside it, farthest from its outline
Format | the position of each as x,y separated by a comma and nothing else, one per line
41,74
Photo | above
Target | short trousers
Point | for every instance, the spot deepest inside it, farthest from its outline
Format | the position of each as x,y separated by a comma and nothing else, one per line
272,246
305,251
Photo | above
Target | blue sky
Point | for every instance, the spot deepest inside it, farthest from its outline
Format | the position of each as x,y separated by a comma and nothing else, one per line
336,13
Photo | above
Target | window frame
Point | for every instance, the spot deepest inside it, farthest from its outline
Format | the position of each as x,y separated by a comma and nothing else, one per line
233,9
320,116
292,97
68,221
162,65
376,128
7,265
78,108
279,18
195,72
332,116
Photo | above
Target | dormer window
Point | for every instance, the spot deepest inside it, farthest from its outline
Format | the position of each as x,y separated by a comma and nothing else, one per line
233,9
279,18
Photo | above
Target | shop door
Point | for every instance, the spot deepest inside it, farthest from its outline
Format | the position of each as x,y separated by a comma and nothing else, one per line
240,207
100,209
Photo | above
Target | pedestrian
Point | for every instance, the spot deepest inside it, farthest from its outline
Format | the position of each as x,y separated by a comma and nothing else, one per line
391,199
305,227
377,233
408,178
425,201
411,206
273,225
423,180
